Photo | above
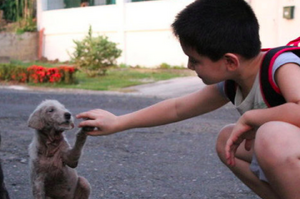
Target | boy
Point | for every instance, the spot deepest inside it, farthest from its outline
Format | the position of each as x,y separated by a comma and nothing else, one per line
221,40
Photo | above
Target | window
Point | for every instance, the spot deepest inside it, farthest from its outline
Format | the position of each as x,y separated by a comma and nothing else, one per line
78,3
61,4
110,2
139,0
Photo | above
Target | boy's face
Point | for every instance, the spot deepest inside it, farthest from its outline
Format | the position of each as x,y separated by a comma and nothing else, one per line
209,71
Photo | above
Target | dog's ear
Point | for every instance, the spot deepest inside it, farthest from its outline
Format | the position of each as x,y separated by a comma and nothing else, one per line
35,120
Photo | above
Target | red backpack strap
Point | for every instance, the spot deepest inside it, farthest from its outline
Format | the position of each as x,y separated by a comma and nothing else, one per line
295,42
270,92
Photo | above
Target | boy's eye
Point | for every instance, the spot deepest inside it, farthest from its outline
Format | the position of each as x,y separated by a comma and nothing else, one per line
193,61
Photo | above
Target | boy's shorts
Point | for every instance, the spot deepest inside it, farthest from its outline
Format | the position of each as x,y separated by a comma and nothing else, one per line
256,169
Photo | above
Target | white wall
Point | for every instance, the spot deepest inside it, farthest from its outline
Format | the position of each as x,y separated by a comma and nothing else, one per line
148,35
274,29
142,29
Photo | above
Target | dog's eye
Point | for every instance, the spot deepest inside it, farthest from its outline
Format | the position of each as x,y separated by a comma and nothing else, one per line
50,110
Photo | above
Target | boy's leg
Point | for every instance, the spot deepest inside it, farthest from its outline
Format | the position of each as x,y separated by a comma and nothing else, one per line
277,148
241,169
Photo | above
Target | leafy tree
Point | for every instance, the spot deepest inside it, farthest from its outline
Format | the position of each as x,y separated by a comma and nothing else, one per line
21,11
94,55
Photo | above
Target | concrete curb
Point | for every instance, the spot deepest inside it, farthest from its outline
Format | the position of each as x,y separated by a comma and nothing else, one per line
162,89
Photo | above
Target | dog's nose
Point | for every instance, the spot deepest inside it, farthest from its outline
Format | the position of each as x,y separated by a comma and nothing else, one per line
67,116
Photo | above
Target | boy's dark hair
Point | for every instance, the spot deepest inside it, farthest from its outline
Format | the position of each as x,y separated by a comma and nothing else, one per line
216,27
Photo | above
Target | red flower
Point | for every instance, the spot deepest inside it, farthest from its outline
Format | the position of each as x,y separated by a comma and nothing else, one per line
40,74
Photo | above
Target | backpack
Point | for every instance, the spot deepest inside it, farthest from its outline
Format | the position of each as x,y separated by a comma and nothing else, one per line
270,92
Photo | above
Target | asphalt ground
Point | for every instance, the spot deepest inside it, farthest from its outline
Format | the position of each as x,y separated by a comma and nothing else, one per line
173,161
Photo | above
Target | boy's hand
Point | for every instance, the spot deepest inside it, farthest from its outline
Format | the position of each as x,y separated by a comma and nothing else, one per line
240,132
102,122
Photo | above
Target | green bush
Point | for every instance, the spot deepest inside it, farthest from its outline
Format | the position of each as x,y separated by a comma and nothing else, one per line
10,72
26,25
165,66
94,55
4,71
11,9
21,13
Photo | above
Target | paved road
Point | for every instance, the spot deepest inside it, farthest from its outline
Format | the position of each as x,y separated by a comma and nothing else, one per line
174,161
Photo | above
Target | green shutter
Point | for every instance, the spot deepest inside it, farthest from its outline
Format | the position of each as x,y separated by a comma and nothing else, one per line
76,3
110,2
72,3
91,2
139,0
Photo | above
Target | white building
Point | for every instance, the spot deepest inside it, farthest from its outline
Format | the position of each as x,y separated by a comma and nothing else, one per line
142,27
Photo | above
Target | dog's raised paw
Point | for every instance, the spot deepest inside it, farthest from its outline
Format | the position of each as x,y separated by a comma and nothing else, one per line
88,128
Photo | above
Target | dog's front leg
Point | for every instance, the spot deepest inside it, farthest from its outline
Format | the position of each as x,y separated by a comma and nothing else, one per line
38,187
71,157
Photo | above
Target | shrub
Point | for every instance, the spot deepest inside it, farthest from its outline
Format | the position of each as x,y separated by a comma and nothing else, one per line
168,66
67,74
37,74
40,74
19,74
93,55
21,13
10,72
165,66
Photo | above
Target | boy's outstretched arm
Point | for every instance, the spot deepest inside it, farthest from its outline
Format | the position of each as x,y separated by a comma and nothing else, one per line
168,111
287,78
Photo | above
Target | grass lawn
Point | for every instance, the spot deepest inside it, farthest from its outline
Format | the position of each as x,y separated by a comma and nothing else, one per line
119,78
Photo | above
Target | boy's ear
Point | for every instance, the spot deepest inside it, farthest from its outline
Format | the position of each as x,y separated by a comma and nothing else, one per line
232,61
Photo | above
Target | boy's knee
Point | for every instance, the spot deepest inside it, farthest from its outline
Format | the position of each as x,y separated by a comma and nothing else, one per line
222,139
268,135
269,138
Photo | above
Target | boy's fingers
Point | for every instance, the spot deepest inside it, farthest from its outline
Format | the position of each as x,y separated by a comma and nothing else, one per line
230,150
231,158
95,133
82,115
87,123
85,115
248,144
